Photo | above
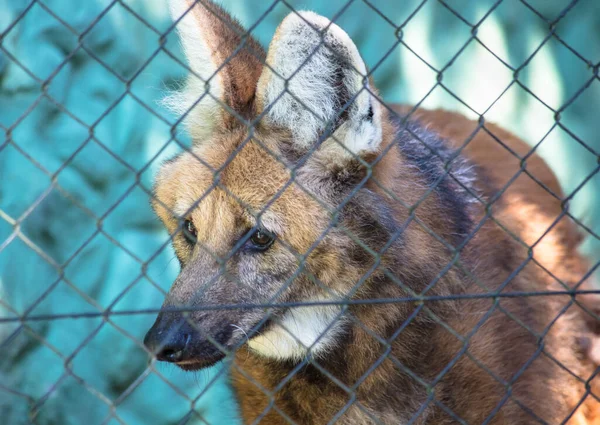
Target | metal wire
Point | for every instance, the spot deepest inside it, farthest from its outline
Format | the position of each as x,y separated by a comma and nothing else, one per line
422,300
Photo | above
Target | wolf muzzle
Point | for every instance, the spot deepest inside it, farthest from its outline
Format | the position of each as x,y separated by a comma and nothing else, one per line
174,338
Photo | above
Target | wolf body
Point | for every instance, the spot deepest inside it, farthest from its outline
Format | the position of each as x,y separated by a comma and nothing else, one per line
399,251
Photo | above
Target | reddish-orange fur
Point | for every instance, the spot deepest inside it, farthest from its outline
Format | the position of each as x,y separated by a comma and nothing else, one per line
483,358
525,209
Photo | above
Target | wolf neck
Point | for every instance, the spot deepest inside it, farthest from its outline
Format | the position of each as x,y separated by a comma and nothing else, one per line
311,330
360,363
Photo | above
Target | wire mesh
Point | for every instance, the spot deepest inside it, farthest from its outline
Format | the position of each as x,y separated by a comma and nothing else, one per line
23,320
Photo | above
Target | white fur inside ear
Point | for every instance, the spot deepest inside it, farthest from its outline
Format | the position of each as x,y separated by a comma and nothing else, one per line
300,328
198,99
319,61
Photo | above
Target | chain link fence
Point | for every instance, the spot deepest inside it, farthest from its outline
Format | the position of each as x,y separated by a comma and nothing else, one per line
84,265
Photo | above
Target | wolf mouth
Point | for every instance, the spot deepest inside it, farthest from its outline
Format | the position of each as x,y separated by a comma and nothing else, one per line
192,365
204,362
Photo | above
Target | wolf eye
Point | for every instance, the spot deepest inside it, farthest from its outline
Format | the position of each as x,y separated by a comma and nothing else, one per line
261,240
189,231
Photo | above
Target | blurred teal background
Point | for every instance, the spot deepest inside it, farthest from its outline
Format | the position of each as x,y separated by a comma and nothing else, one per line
85,227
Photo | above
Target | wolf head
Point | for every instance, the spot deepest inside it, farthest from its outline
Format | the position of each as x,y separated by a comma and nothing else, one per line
268,210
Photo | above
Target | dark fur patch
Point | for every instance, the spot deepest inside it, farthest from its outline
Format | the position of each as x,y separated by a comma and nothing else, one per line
442,168
345,176
370,220
342,95
369,116
223,336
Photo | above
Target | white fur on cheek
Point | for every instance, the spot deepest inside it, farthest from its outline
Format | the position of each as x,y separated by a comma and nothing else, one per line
194,100
300,328
314,72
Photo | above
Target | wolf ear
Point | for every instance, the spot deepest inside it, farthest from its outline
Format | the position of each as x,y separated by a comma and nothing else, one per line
315,83
225,63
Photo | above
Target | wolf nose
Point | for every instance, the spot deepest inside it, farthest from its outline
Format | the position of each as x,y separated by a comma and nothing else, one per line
168,345
174,350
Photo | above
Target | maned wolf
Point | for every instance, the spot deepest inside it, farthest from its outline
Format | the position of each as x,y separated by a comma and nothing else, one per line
421,240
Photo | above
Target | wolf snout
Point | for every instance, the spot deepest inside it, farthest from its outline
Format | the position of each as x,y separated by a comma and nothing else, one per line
174,339
169,341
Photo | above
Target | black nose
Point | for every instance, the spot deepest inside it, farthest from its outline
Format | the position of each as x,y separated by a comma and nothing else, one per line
169,340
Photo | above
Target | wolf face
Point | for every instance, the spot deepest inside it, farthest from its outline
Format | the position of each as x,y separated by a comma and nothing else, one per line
270,205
